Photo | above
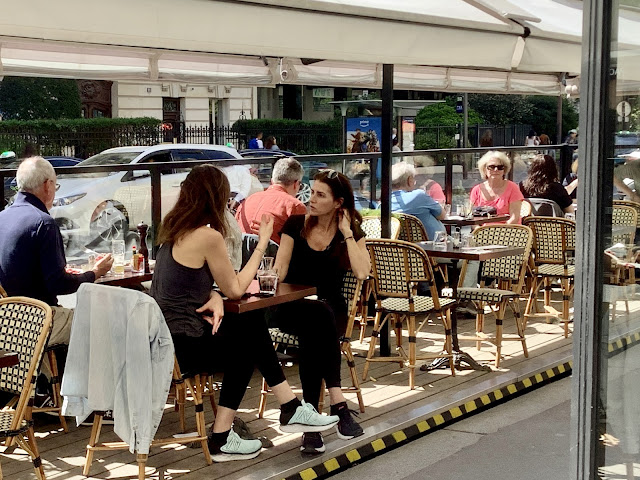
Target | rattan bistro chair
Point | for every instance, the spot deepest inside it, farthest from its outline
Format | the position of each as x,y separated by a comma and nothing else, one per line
372,227
351,291
398,267
629,203
194,387
624,220
25,325
506,275
554,245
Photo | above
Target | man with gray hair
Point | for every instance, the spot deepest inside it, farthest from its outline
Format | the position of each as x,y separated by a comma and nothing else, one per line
279,200
32,259
406,198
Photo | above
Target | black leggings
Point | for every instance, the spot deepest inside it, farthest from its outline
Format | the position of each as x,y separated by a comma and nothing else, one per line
241,344
318,328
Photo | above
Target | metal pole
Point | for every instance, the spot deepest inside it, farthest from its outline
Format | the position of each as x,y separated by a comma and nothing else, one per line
385,196
588,396
465,100
559,121
156,208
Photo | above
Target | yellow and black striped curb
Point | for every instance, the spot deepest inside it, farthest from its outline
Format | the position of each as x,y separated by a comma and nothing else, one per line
623,343
387,442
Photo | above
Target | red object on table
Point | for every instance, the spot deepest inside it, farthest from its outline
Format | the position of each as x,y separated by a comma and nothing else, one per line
8,359
285,293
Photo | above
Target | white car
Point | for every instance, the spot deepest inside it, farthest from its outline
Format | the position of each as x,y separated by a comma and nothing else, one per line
91,209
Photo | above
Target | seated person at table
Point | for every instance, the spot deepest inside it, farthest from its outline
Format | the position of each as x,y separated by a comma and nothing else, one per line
496,191
32,259
570,182
406,198
278,201
626,177
542,182
318,249
192,254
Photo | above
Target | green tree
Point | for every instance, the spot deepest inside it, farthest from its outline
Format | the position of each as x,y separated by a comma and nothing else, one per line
440,115
23,98
501,109
544,112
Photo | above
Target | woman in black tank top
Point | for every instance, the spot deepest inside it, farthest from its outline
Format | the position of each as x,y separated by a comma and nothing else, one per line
191,255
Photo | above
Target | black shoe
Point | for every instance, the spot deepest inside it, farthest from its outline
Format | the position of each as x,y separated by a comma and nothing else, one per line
347,427
312,443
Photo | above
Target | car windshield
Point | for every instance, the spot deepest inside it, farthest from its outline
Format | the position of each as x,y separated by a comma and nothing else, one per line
106,158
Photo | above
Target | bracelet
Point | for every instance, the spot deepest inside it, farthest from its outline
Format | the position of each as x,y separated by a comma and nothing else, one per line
347,238
260,250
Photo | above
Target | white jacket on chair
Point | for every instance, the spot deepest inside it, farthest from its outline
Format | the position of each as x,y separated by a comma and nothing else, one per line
121,359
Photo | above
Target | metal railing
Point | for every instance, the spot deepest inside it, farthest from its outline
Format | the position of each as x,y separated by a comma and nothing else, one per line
443,164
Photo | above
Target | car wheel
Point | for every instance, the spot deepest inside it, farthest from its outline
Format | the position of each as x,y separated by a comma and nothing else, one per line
111,222
304,194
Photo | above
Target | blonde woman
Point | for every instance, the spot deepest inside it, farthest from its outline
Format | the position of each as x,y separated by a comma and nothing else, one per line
496,191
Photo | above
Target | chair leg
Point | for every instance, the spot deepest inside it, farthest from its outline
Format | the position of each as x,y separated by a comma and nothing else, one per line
30,446
412,350
479,323
533,297
565,306
142,463
55,386
364,310
351,363
197,389
93,440
372,344
264,391
520,325
398,328
499,320
547,292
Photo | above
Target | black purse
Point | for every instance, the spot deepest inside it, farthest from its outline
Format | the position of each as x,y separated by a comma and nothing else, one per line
484,211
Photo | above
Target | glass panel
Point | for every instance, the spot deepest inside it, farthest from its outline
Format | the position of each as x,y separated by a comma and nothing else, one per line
618,432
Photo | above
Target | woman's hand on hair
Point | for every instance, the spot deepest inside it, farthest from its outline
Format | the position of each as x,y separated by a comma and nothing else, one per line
215,306
344,223
266,227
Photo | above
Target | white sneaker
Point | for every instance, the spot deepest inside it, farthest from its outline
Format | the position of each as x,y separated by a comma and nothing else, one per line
307,419
237,448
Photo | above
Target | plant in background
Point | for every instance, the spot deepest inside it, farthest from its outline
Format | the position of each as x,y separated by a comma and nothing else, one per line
23,98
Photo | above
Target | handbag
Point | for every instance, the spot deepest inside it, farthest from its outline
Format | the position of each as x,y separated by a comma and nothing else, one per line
484,211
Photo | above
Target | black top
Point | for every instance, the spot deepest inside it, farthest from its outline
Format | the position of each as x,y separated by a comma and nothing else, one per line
32,260
323,270
179,291
555,192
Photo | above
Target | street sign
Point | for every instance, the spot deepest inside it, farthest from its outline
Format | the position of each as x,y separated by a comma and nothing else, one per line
624,109
459,105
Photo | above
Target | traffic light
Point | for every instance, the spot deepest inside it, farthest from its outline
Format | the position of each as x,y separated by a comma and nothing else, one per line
459,105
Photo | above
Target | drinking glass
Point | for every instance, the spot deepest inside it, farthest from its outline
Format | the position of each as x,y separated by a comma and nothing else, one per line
455,238
266,265
440,238
117,250
268,283
447,209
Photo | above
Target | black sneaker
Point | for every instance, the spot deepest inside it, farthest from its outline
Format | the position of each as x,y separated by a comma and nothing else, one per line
347,427
312,443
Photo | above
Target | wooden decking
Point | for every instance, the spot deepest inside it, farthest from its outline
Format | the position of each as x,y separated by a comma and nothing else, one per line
386,394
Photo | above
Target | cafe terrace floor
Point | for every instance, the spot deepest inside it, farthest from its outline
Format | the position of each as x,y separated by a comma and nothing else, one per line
393,414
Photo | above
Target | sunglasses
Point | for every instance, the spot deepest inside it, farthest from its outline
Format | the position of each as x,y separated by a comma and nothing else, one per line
331,173
495,167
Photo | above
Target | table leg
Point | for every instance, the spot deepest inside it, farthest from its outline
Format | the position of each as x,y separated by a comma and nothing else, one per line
462,360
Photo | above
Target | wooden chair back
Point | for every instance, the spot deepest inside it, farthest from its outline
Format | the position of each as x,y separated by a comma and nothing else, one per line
397,268
411,229
553,239
509,270
372,227
25,325
629,203
625,218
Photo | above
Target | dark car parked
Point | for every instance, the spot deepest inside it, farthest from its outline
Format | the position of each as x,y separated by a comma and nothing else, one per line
10,186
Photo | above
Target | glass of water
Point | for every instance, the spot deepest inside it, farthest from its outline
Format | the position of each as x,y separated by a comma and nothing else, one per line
440,238
117,250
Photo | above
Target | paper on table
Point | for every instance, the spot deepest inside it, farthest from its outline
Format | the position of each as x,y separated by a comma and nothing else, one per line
455,217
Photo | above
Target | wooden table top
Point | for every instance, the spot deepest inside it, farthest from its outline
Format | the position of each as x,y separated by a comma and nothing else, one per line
8,359
285,293
129,279
469,253
462,222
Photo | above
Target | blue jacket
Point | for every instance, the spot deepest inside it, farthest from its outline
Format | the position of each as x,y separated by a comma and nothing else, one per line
32,259
419,204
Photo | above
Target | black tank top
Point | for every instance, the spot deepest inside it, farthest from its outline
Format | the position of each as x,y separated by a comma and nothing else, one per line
179,291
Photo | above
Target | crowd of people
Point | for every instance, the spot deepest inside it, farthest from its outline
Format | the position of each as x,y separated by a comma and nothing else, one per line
316,245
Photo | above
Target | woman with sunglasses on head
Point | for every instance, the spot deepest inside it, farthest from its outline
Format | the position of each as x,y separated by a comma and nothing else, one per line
496,191
317,249
192,254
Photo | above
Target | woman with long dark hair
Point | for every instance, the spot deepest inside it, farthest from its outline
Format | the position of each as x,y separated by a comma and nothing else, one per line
542,182
192,254
317,249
